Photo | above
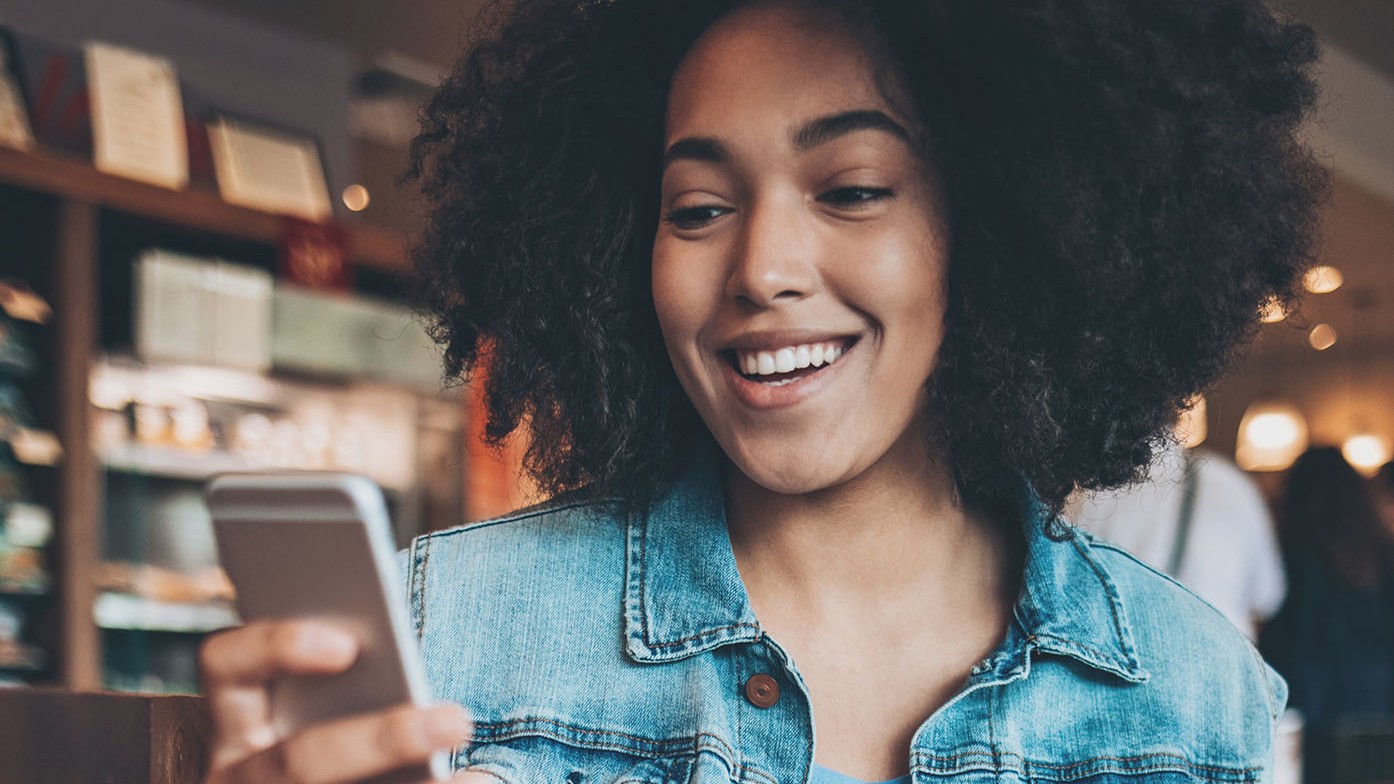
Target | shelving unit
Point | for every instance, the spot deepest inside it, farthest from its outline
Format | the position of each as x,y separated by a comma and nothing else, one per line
75,209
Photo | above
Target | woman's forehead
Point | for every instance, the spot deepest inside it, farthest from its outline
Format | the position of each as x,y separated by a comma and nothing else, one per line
781,62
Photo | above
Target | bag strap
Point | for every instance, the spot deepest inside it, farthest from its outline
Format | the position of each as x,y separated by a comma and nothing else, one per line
1183,519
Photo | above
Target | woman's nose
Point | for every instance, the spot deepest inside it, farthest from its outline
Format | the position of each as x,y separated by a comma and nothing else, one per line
774,259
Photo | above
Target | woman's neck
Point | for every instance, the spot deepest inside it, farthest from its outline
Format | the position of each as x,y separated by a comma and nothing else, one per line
876,544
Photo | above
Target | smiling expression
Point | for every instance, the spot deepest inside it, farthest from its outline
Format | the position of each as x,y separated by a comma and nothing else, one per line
798,269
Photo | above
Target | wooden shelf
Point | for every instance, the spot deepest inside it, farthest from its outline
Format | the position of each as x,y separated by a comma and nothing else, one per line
195,209
123,611
171,463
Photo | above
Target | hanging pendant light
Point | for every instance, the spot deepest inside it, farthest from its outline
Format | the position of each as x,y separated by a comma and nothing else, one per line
1366,452
1271,436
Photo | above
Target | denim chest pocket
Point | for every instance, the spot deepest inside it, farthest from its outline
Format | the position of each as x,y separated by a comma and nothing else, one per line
540,760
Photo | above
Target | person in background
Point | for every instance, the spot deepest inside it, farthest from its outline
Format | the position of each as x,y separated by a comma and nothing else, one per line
1333,639
1384,495
1200,519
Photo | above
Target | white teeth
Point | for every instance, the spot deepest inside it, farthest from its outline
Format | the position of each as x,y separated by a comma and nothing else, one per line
789,359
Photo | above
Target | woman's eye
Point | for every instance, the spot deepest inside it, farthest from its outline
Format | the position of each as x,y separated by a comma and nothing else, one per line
694,217
855,196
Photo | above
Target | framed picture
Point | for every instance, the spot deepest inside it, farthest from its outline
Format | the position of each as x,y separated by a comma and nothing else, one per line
137,115
14,117
268,169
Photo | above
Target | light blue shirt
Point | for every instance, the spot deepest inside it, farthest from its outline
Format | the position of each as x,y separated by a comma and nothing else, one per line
595,647
822,775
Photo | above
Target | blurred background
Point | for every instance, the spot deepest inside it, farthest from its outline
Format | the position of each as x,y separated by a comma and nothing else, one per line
234,294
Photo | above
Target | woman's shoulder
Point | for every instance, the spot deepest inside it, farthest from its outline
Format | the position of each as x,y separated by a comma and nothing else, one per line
1194,655
520,552
571,511
1133,674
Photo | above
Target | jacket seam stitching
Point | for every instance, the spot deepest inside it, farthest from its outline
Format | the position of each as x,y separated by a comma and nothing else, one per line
747,772
1121,628
678,643
539,511
598,739
1084,647
1173,761
645,629
419,589
738,710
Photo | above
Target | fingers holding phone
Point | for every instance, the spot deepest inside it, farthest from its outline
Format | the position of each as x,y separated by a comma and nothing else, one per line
325,683
240,667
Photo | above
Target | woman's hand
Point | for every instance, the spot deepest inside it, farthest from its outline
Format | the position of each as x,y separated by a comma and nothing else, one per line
238,668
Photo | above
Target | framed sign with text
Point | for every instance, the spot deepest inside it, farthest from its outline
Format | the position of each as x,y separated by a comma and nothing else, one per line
270,170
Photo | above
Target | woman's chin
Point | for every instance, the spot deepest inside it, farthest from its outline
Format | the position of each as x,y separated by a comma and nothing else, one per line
790,474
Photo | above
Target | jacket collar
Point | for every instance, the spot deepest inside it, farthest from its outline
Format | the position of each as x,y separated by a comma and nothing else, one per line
684,595
1069,603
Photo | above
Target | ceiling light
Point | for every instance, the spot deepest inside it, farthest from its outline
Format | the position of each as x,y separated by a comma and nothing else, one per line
1271,436
356,198
1272,311
1366,451
1322,337
1323,279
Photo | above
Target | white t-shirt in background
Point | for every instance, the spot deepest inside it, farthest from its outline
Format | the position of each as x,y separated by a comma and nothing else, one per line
1231,557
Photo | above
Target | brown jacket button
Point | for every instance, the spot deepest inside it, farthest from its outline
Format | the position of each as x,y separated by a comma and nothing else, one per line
762,691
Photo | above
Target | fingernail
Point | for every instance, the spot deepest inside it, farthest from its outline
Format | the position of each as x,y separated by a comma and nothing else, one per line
447,724
327,642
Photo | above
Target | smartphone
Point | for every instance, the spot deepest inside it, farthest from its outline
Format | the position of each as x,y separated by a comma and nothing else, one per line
319,545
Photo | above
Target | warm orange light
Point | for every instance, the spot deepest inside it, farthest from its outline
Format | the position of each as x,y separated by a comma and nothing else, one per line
1322,337
356,198
1323,280
1272,311
1366,452
1271,436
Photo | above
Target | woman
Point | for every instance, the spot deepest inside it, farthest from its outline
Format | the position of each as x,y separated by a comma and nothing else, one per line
815,312
1333,639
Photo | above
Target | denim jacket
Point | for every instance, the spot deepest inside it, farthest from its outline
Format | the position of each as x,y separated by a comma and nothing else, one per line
596,647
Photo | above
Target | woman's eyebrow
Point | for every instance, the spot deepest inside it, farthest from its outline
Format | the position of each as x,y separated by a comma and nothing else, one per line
695,148
822,130
813,133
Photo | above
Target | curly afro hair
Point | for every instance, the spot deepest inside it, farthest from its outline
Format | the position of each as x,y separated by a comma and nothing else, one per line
1124,188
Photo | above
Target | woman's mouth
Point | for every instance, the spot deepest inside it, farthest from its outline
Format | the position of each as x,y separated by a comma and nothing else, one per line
776,367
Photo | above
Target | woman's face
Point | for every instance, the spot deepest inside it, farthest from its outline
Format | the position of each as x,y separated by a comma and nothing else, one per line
798,269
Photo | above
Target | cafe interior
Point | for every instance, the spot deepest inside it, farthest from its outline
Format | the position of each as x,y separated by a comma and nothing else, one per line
205,270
